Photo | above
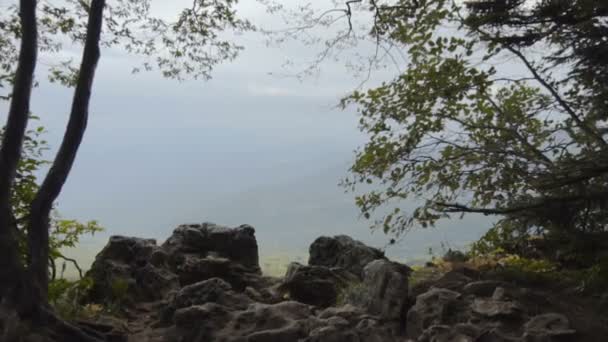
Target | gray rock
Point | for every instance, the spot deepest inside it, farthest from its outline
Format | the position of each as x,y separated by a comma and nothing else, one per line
193,269
199,323
214,290
430,309
547,326
482,288
387,285
453,280
315,285
494,308
123,272
344,252
207,239
348,312
445,333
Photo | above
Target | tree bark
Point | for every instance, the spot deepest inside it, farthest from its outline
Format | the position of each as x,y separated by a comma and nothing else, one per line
38,227
12,142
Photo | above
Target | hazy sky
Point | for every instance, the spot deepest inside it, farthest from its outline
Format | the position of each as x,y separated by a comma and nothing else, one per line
158,152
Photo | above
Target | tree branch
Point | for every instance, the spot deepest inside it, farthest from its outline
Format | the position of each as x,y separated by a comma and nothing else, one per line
74,262
582,125
540,203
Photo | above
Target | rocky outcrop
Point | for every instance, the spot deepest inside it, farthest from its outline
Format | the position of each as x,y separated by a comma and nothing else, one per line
210,240
344,252
197,252
483,311
134,269
205,284
130,268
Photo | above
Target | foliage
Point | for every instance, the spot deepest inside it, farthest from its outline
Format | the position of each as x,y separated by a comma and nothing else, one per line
460,131
65,233
187,44
66,297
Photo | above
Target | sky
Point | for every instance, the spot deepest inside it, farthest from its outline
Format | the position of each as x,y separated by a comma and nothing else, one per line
247,146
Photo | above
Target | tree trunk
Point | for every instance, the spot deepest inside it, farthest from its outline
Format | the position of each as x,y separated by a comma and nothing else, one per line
10,151
38,227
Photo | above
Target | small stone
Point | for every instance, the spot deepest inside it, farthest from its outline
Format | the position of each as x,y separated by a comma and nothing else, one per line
550,324
494,308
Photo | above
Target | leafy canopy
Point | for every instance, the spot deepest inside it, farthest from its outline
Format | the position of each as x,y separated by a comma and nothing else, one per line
186,44
501,110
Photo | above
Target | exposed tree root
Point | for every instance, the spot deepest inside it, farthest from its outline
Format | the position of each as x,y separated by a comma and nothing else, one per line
54,328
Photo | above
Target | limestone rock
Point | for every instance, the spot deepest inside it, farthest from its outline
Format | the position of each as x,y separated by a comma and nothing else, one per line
386,283
342,251
548,326
123,271
430,309
315,285
207,239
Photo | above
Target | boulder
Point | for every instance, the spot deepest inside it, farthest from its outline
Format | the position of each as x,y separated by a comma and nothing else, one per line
208,239
315,285
214,290
193,269
285,321
198,323
482,288
123,271
344,252
431,308
386,283
492,308
197,252
548,327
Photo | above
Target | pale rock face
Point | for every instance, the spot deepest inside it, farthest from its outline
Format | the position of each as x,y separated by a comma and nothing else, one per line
344,252
386,283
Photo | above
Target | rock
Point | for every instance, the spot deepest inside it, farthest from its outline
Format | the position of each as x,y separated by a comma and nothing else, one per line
236,244
482,288
155,282
386,283
194,269
315,285
348,312
344,252
548,326
351,324
285,321
214,290
453,280
198,252
122,272
445,333
199,323
430,309
494,308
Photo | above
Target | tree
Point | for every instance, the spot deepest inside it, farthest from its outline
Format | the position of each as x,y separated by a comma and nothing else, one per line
501,110
190,46
64,233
